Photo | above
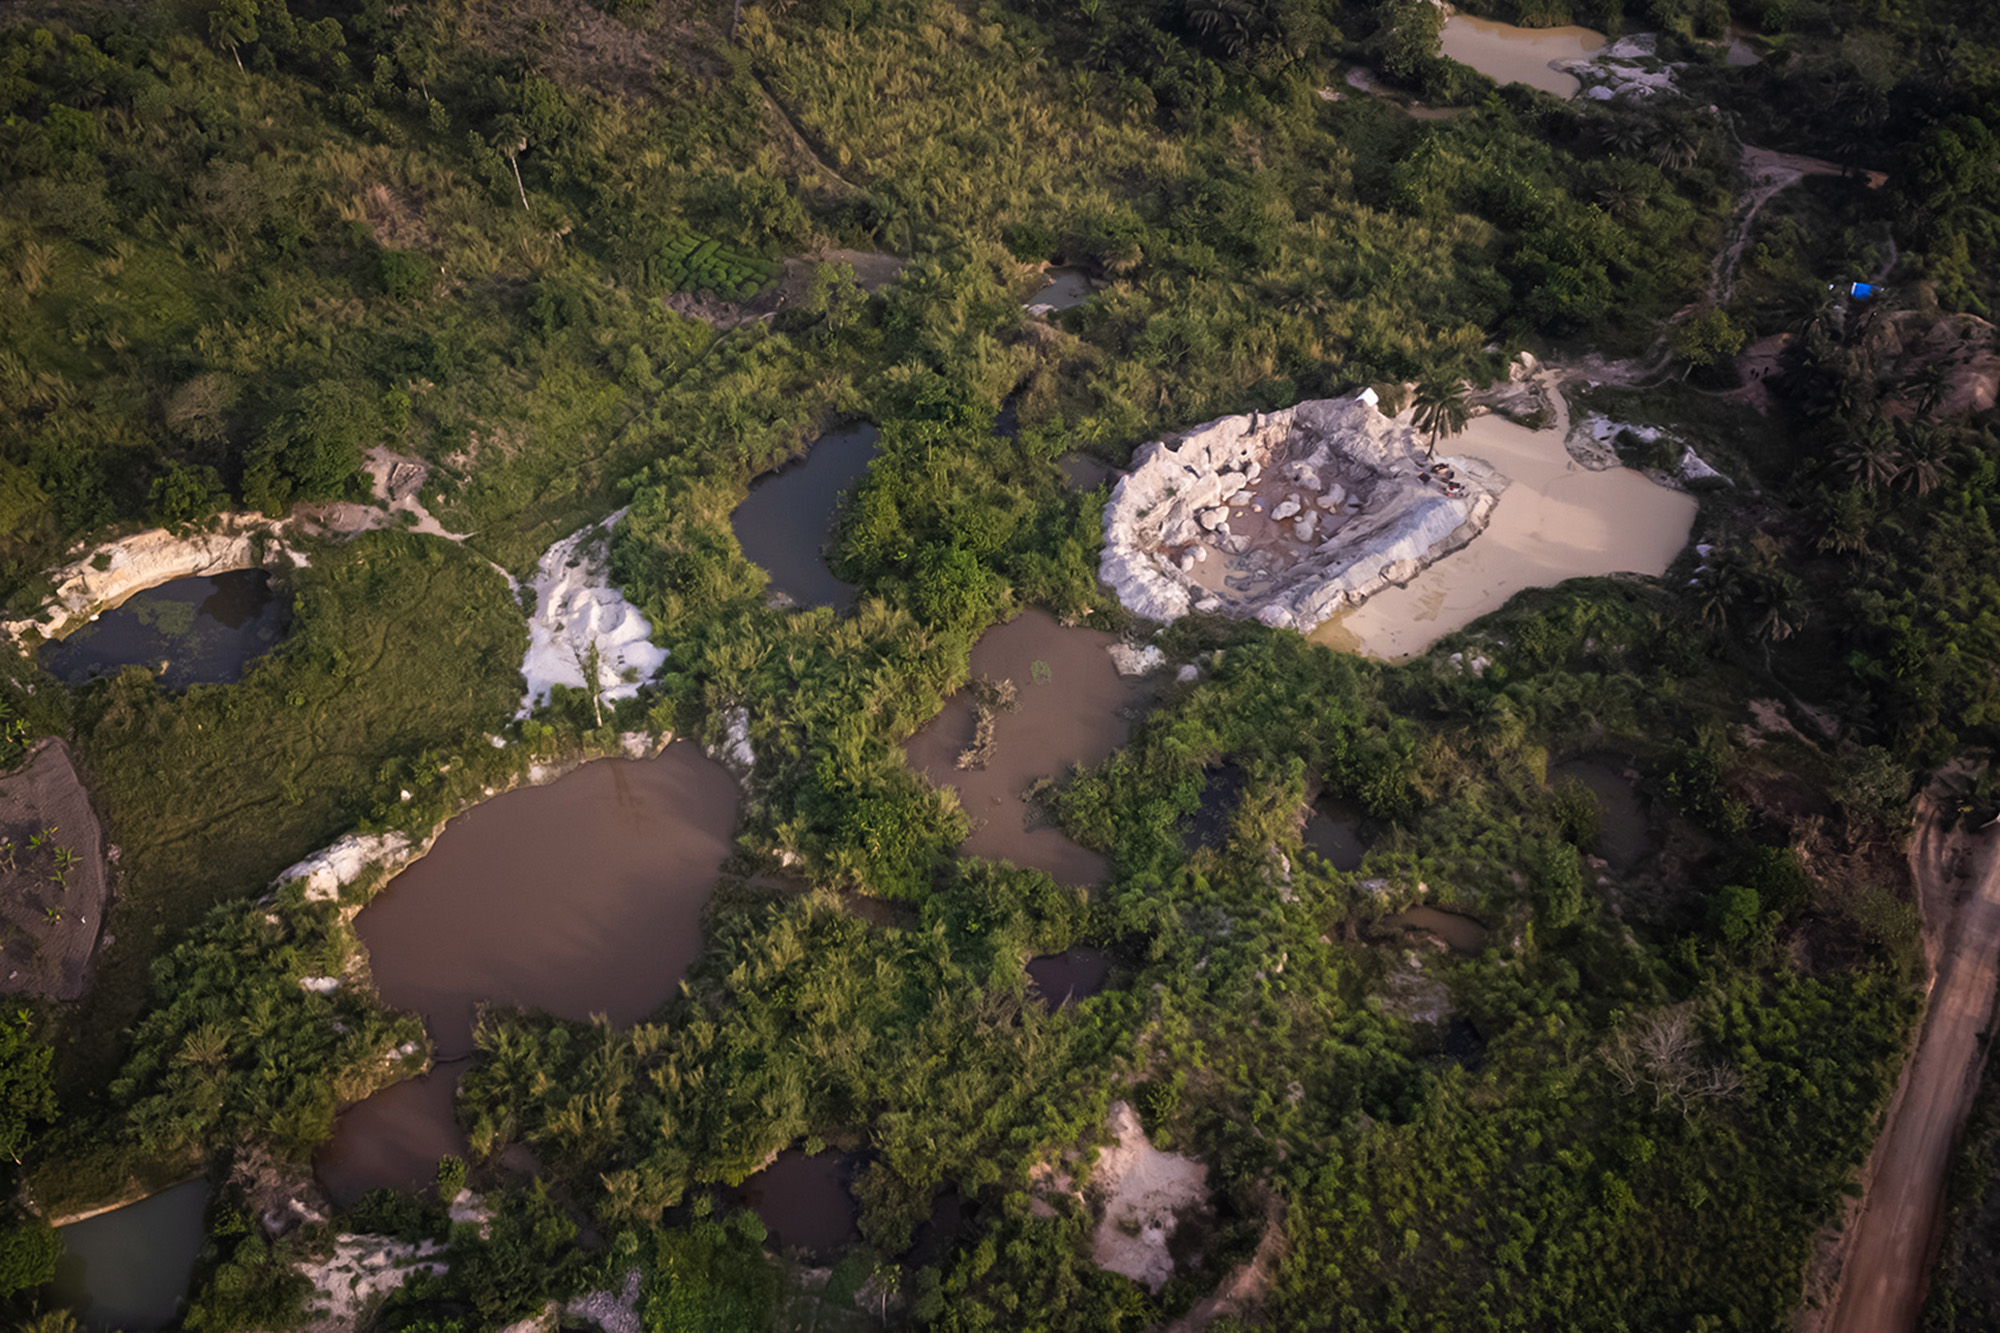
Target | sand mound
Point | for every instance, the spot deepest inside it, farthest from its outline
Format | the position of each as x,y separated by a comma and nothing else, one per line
1289,516
577,608
1144,1191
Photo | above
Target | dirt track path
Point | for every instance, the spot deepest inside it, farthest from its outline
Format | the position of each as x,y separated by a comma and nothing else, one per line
1883,1281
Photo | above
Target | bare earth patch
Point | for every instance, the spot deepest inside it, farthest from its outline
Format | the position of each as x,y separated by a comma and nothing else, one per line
360,1275
1144,1191
54,877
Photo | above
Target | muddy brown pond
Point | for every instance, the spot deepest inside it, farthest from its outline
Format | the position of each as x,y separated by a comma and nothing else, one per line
1071,702
1507,54
579,898
189,632
1461,932
786,521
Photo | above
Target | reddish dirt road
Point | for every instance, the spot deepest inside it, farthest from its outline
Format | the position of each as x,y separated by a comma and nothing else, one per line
1883,1281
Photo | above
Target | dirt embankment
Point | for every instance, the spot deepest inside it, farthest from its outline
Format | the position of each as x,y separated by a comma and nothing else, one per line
1888,1247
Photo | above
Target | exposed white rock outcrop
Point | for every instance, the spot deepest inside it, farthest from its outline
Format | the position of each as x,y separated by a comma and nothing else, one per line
735,753
1233,496
361,1273
327,871
1132,660
577,607
1629,67
105,576
611,1311
1694,471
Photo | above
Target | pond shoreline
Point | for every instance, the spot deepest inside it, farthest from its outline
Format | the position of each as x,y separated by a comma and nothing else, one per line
105,576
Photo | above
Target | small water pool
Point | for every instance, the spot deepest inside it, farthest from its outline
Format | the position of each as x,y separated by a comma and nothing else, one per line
1072,975
786,522
1507,54
805,1201
1462,933
1063,288
1333,829
129,1268
195,631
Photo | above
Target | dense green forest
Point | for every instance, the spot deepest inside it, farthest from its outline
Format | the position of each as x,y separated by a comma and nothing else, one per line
577,257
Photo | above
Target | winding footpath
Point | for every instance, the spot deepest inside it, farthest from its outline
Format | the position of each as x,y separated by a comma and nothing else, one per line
1892,1241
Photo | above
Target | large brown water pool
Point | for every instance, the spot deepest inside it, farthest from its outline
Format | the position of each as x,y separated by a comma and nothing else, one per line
583,897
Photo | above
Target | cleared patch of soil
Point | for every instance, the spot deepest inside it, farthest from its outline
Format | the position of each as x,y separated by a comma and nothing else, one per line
1145,1192
54,877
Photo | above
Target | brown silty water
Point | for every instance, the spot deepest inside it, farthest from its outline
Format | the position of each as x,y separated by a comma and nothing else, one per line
1462,933
583,897
1070,702
1507,54
805,1201
393,1140
1556,520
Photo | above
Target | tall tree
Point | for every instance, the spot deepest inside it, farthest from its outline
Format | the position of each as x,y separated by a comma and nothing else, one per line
231,24
1441,410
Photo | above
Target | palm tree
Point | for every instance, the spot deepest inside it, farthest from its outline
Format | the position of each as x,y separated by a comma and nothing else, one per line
1627,135
1718,588
1677,146
1923,457
1441,410
1931,382
1621,197
1870,458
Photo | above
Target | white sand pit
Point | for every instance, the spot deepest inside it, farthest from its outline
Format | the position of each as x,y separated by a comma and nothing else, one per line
1145,1191
1560,520
1289,516
577,610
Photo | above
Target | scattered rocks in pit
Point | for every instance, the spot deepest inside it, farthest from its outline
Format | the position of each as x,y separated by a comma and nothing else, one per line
1288,516
1629,67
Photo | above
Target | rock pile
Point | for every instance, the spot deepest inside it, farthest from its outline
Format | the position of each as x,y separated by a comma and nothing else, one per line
1629,67
1288,516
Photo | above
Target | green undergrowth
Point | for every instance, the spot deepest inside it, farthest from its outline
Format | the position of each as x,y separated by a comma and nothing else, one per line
398,645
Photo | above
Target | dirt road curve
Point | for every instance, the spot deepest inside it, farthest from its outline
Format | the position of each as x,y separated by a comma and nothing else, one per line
1883,1282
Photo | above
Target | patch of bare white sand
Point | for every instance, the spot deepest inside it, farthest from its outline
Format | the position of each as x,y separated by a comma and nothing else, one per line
1144,1192
1558,520
580,613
